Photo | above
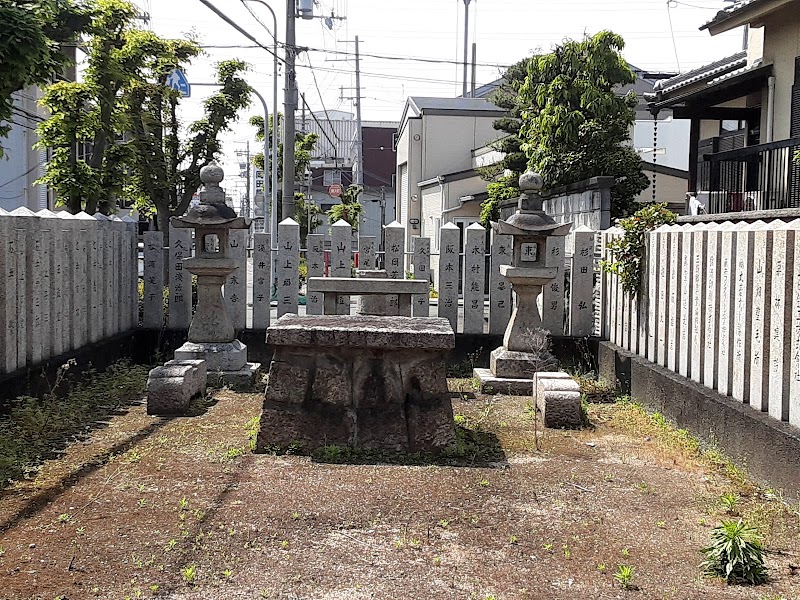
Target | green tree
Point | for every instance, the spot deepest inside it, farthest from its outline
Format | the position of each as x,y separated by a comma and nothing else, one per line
349,208
504,176
31,36
308,215
303,147
165,169
574,125
90,111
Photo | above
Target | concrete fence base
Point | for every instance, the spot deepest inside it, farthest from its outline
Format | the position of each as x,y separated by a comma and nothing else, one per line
768,449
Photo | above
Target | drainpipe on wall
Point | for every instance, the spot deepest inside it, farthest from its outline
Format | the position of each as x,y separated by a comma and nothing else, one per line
770,108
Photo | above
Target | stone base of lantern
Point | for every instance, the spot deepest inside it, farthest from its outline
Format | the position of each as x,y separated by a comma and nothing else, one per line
511,372
226,361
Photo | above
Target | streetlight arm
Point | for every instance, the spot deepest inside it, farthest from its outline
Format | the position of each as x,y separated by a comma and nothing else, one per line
274,187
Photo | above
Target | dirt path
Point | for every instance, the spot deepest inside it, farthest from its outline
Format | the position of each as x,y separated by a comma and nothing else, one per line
181,509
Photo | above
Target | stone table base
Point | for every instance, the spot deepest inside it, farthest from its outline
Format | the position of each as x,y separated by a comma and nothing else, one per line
364,382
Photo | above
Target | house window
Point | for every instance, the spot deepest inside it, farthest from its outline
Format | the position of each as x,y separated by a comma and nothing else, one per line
332,176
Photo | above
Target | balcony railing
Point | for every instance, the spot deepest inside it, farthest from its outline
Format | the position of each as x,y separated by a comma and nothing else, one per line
762,177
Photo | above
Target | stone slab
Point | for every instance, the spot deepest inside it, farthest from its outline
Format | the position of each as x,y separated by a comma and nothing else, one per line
341,265
235,290
503,385
172,387
287,267
558,398
474,278
180,280
315,263
361,332
153,280
421,248
366,253
581,296
262,280
394,236
449,273
499,287
366,285
219,356
516,365
552,297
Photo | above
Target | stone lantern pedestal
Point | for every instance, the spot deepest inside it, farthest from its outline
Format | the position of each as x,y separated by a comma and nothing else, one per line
525,354
211,334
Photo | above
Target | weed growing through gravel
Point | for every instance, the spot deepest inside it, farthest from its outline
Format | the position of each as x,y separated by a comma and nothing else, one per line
189,574
735,554
624,576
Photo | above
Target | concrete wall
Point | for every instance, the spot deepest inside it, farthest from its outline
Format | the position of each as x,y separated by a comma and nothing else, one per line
585,203
767,449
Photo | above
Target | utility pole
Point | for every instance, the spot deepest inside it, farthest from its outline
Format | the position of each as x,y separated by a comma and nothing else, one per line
359,136
474,69
466,44
303,118
289,107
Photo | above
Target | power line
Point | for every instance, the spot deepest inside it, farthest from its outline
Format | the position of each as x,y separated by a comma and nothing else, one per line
348,53
233,24
672,34
319,93
23,175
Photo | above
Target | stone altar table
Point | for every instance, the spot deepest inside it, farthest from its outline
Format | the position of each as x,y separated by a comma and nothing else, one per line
359,381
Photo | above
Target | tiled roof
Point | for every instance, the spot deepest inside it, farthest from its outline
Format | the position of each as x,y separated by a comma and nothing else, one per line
716,68
728,12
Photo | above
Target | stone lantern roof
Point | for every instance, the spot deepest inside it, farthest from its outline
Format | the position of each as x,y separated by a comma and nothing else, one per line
212,210
530,218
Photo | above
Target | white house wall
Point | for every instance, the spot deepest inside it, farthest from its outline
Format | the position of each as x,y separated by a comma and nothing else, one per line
781,46
673,139
22,165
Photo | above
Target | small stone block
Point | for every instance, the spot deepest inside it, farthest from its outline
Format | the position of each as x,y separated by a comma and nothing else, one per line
508,386
171,388
560,409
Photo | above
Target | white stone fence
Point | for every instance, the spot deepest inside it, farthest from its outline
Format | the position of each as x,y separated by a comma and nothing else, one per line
720,304
471,300
65,281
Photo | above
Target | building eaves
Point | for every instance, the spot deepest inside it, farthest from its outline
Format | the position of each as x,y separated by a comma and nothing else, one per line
709,71
447,177
730,11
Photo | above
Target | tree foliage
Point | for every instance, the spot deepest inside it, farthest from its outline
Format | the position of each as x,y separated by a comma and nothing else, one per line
127,117
304,145
574,125
90,112
166,169
349,209
504,175
629,249
31,36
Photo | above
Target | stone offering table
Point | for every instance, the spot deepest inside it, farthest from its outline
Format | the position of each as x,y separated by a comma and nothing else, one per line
359,381
333,287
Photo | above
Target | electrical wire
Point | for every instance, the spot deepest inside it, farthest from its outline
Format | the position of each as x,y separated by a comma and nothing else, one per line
349,53
319,93
33,168
233,24
672,34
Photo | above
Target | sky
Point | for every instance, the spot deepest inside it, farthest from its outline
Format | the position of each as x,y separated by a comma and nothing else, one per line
660,36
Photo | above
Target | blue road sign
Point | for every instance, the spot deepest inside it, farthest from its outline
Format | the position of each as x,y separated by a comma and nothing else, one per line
177,81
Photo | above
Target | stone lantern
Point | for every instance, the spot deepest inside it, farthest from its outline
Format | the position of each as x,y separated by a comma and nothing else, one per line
211,334
525,350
